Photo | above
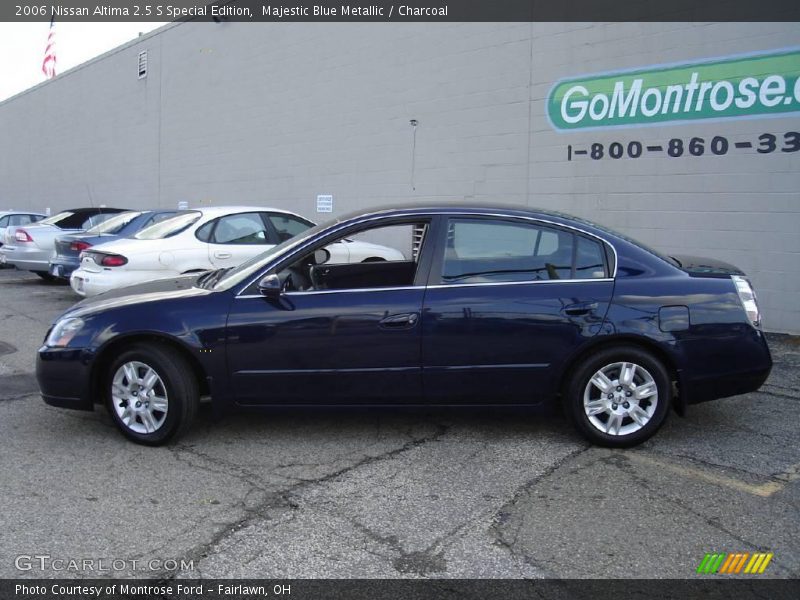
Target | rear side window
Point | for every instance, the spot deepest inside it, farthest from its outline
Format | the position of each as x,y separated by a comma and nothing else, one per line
288,226
240,228
169,227
22,219
493,250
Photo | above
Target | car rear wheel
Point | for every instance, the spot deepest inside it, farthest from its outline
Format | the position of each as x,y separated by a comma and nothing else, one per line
619,397
151,393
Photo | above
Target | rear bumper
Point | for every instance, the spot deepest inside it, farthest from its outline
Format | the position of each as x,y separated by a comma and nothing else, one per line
90,283
63,375
725,366
63,266
26,259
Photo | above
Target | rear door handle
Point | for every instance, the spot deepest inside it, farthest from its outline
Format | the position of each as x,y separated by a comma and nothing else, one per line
580,308
222,254
403,321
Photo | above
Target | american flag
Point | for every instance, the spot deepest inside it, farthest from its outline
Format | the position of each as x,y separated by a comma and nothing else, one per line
49,62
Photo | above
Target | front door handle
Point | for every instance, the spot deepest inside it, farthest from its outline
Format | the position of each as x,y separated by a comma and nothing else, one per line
403,321
222,254
580,308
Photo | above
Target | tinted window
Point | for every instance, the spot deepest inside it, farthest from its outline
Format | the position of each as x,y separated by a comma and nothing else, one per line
4,221
484,251
288,226
589,259
242,228
203,232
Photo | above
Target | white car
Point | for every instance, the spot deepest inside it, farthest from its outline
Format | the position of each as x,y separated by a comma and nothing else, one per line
198,240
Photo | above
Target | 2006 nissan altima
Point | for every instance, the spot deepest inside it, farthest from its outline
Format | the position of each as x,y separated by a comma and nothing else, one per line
489,306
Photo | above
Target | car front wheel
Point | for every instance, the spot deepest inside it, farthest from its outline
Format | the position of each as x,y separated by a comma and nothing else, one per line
152,393
619,397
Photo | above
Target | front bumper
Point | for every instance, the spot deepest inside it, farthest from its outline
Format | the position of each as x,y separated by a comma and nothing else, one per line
64,375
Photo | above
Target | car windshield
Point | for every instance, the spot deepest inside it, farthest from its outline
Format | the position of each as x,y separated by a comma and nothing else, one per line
253,265
114,224
56,219
169,227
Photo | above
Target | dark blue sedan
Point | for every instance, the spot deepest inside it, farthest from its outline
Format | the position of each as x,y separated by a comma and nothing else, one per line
491,306
69,247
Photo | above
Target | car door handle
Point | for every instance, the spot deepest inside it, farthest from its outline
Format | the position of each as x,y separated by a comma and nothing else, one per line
580,308
221,254
399,321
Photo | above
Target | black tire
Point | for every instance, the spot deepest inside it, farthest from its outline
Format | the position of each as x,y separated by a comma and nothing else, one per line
46,276
178,380
586,369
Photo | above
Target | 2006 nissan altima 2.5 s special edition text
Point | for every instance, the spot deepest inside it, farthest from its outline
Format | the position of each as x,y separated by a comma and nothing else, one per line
489,306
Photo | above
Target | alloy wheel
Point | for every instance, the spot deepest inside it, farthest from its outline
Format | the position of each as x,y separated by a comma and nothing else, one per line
139,397
620,398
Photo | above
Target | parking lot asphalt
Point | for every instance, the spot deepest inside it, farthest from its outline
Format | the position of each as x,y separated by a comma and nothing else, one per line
387,493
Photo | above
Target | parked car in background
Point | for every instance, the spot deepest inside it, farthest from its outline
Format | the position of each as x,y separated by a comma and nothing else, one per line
197,240
11,218
30,247
487,306
69,247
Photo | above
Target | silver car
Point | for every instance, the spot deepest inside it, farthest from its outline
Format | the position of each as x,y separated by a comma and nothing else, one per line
15,218
30,247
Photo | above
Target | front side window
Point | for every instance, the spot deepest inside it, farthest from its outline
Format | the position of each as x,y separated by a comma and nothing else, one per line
496,251
378,257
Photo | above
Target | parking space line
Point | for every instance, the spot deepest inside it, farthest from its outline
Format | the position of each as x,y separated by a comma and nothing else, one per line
763,490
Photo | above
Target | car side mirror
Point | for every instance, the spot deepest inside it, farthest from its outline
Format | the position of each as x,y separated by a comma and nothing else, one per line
321,256
270,287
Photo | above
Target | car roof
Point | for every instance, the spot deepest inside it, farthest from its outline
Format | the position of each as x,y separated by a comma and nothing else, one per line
511,210
3,213
92,209
226,210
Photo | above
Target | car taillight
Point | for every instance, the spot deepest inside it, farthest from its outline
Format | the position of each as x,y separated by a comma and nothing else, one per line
113,260
22,236
79,246
748,297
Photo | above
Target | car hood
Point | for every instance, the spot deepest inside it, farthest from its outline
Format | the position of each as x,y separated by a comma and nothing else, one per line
700,266
152,291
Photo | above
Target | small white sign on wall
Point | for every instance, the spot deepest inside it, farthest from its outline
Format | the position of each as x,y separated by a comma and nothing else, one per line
324,203
183,205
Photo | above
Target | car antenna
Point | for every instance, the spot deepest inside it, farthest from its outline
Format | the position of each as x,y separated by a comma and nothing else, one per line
89,193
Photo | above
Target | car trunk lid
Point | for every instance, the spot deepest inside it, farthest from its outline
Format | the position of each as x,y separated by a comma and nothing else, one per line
700,266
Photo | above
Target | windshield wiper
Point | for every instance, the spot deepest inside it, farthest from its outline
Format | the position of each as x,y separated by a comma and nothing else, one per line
214,277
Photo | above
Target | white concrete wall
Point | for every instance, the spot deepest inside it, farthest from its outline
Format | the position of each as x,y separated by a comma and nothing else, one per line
274,114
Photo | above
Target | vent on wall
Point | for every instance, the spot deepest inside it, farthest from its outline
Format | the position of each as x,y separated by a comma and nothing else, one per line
142,64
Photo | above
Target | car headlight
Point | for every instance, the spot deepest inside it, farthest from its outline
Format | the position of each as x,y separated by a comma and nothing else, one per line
63,332
748,297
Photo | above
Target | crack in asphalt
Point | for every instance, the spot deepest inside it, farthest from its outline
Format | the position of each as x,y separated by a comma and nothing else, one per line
501,515
280,499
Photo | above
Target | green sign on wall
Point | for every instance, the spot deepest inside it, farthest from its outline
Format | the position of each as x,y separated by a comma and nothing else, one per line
739,87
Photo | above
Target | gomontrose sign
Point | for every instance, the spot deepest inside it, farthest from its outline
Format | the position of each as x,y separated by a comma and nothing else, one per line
738,87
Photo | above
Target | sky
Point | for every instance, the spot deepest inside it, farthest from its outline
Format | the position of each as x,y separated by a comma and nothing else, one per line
22,48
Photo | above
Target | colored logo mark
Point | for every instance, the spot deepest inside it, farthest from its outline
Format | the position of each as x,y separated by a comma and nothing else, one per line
734,563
